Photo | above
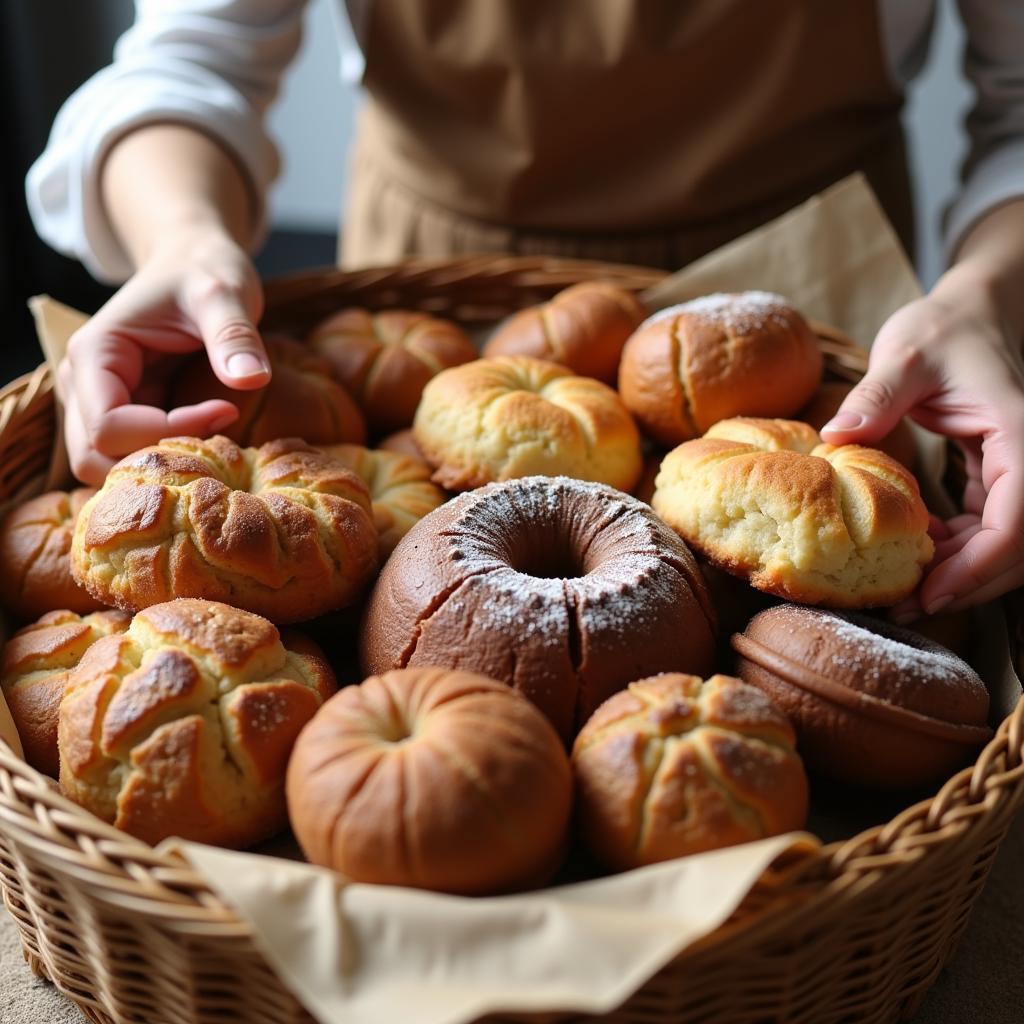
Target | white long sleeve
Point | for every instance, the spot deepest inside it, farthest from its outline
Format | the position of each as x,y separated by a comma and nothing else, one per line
215,64
994,64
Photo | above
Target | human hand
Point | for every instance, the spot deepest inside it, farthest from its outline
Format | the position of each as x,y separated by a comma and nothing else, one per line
198,288
950,363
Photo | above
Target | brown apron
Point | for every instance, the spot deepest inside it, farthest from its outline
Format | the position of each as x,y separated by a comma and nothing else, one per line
639,131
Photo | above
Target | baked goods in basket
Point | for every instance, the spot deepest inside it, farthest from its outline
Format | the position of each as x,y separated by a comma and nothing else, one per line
675,765
873,704
34,670
434,779
400,487
563,589
515,416
183,725
385,359
765,500
723,355
282,530
35,556
583,327
402,442
302,399
899,443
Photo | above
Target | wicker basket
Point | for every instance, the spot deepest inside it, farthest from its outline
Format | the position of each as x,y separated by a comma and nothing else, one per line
856,932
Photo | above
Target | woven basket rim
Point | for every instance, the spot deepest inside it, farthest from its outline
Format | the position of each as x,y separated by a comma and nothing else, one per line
137,878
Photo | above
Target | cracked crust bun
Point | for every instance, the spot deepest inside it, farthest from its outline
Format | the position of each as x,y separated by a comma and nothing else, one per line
674,765
183,725
282,530
764,500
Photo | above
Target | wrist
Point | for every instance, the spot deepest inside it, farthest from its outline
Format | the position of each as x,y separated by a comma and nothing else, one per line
973,287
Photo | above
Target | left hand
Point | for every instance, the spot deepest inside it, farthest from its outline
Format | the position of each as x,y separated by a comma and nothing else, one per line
950,363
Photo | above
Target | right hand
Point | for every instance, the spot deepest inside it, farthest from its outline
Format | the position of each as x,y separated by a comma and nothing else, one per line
197,289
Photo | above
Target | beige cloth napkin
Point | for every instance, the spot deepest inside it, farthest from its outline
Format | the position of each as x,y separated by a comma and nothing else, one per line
366,954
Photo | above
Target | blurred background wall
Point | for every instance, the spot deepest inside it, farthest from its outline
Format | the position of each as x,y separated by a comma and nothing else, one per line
50,46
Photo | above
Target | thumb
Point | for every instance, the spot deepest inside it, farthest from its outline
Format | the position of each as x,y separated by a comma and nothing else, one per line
889,390
225,316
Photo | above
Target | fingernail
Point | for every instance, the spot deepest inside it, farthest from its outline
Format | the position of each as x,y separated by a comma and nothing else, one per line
936,606
844,421
245,364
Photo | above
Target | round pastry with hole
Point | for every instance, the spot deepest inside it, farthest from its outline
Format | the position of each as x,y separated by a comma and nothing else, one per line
282,530
674,765
563,589
183,725
767,501
515,416
435,779
873,704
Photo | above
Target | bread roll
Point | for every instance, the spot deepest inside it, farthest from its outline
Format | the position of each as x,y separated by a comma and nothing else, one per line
400,489
386,359
764,500
873,704
35,559
673,766
723,355
513,416
282,530
301,400
433,779
34,670
583,327
184,724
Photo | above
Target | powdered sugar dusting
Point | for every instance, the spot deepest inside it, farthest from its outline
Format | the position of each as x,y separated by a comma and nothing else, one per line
880,653
737,313
623,593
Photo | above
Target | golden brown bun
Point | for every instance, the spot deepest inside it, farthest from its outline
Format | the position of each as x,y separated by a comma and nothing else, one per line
747,354
183,725
812,523
402,442
898,444
400,489
301,400
872,704
386,359
34,671
513,416
562,589
583,328
673,766
35,556
433,779
282,530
